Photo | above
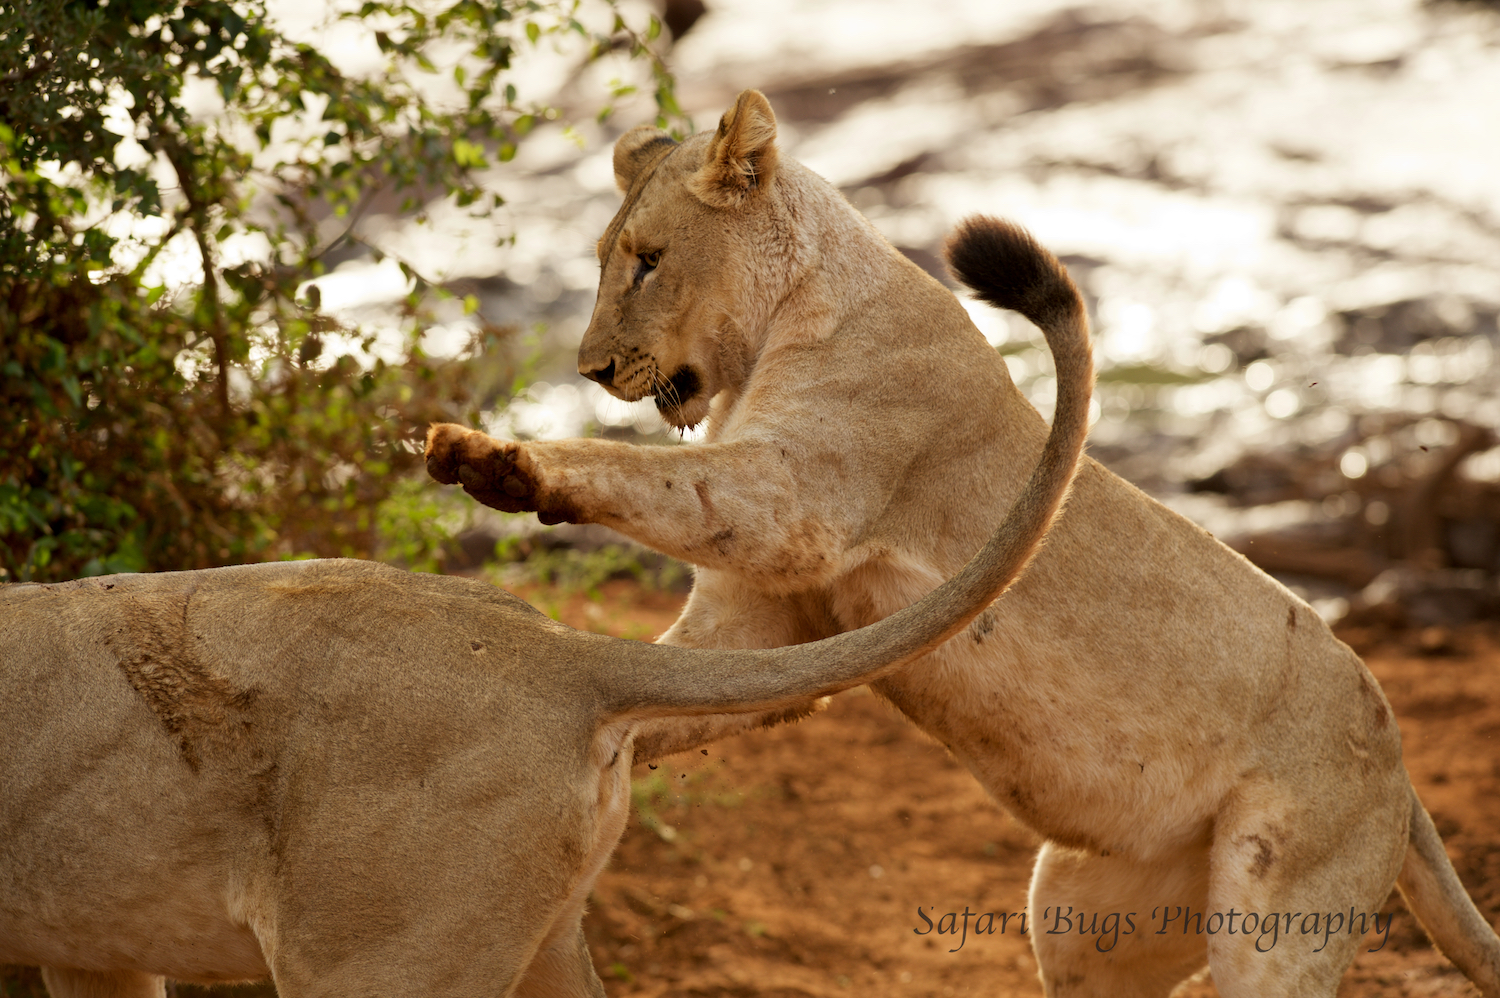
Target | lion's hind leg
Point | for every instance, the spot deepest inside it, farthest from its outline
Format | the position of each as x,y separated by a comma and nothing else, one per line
1093,928
64,983
1306,881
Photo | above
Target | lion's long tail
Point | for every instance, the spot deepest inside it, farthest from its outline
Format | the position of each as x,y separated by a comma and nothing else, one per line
1434,895
1007,268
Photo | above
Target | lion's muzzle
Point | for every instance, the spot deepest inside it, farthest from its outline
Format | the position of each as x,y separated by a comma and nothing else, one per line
605,375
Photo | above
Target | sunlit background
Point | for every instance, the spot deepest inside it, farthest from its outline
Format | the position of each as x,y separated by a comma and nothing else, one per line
1285,215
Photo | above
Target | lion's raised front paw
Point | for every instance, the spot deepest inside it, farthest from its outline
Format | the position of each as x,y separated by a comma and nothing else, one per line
485,467
444,451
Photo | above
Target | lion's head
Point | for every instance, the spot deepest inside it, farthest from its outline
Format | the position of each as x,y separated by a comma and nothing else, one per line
692,265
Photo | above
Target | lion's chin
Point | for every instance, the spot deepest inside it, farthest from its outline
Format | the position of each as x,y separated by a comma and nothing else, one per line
684,416
684,403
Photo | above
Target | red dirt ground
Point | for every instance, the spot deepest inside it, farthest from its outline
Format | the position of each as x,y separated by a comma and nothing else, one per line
791,862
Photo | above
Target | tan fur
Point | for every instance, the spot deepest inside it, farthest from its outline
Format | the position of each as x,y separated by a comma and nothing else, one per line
357,780
1180,728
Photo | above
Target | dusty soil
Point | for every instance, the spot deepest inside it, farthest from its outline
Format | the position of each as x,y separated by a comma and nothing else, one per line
792,862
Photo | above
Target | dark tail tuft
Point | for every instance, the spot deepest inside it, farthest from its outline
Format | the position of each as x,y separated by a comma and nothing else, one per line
1007,268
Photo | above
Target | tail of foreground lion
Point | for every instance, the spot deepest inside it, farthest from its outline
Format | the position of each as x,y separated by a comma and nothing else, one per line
1434,895
1007,268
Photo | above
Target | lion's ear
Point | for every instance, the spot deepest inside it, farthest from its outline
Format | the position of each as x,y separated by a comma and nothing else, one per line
742,154
635,149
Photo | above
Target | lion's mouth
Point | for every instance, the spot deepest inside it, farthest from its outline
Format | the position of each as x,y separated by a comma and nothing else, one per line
676,392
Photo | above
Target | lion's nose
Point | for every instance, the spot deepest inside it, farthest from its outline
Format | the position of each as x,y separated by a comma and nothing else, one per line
604,375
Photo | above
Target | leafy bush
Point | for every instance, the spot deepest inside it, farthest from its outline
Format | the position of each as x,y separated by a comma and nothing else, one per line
529,559
147,424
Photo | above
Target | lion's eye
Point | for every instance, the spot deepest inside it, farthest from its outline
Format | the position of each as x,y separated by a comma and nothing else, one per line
651,260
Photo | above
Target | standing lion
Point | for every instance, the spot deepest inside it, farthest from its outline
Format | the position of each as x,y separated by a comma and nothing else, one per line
1178,727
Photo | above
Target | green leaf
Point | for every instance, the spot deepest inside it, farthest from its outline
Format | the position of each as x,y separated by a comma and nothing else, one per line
470,155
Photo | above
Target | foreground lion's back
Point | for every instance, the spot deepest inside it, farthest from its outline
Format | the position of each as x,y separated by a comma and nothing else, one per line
173,746
111,842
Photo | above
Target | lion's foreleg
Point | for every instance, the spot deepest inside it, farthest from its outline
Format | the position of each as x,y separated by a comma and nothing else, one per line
739,505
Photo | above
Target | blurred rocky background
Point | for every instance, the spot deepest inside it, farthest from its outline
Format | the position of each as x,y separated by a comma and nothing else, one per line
1285,215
